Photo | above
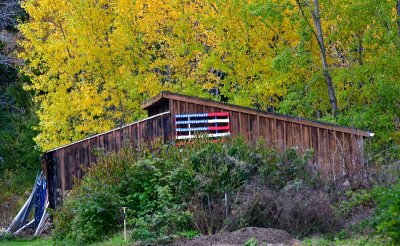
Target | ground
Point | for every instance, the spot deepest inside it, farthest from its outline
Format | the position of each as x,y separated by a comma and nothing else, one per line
260,237
263,236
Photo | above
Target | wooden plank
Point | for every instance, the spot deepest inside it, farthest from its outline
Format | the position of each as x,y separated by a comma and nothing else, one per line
152,130
354,153
176,107
284,134
240,124
280,134
118,139
244,126
302,149
85,153
218,110
95,149
79,160
235,123
69,161
319,151
191,108
172,122
332,150
361,151
249,111
253,129
325,155
140,135
167,128
348,148
136,134
126,135
340,150
159,130
101,143
110,142
314,143
306,140
199,108
288,135
182,107
60,158
208,109
297,136
269,135
263,132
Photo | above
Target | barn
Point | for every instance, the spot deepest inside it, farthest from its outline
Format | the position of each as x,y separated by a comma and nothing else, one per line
338,151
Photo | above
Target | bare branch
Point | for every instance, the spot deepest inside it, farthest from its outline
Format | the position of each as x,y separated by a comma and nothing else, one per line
9,11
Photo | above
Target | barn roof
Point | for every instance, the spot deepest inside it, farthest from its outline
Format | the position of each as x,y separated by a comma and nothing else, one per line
166,95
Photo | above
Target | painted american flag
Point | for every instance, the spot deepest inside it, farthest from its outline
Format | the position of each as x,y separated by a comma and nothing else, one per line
212,125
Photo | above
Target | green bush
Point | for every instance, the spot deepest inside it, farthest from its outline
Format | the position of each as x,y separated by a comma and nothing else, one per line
387,215
386,203
92,214
170,190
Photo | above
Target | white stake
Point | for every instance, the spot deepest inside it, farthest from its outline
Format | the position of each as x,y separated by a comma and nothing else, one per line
124,208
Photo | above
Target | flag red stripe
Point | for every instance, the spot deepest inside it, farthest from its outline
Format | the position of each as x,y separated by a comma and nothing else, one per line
218,114
218,128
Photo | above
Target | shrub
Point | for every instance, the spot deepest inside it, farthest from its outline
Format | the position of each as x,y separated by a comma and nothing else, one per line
292,209
386,203
304,211
170,190
92,214
387,215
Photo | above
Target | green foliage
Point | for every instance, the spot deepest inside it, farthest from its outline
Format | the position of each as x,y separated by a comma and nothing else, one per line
165,189
93,215
355,199
386,201
15,241
357,240
17,148
251,242
387,215
189,234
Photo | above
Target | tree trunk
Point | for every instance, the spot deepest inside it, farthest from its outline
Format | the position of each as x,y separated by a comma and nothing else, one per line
325,66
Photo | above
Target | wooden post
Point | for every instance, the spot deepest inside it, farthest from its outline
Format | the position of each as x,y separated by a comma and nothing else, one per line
124,208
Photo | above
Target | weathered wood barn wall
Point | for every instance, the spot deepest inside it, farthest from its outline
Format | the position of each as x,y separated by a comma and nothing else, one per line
338,151
62,165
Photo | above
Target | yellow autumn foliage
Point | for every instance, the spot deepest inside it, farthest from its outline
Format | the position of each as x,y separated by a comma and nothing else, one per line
93,62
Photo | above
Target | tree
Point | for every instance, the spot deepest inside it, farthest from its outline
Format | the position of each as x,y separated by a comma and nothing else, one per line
93,63
315,14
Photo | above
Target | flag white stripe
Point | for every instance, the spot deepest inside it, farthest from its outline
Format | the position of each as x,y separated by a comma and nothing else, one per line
205,135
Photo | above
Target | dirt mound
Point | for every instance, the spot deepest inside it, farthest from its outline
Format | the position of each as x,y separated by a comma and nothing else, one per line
262,235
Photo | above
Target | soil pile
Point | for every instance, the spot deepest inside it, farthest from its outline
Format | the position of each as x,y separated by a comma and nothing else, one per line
264,236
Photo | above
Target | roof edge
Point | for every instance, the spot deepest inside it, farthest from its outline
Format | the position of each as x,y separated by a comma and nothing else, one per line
149,103
102,133
170,95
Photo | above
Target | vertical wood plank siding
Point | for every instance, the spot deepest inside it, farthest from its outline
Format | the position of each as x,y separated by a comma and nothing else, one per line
338,151
337,155
63,165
